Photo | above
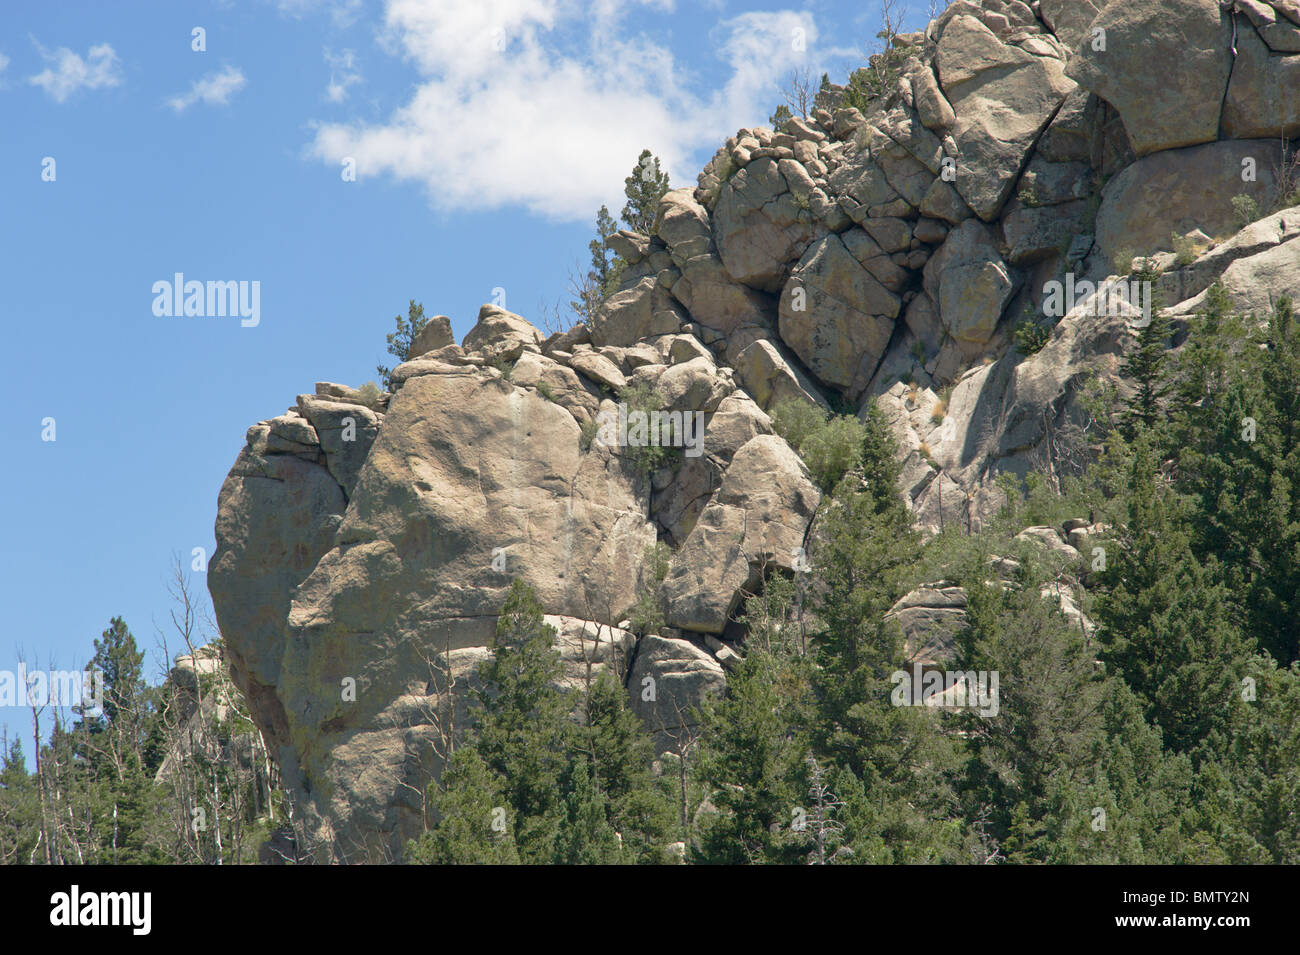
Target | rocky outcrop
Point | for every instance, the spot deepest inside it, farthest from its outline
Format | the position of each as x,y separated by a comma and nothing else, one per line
884,254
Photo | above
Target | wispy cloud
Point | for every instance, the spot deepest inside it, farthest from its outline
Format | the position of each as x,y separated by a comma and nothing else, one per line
214,89
546,103
342,12
344,72
68,72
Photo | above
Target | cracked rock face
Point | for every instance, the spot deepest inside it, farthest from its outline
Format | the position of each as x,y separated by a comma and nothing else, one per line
883,254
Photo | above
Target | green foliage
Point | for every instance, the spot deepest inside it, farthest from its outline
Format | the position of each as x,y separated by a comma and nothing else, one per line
779,116
1145,362
1030,337
370,392
647,615
587,432
1184,247
867,85
533,785
1246,209
401,340
644,188
830,447
795,420
656,452
474,829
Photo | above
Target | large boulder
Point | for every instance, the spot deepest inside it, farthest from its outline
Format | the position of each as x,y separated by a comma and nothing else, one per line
671,679
1070,19
471,483
766,374
1164,66
436,334
1264,94
835,315
1004,98
501,333
629,316
758,226
276,517
1178,191
970,283
717,300
757,519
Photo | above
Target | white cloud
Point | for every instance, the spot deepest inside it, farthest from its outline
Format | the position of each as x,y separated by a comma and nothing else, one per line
214,89
547,103
344,72
69,72
4,62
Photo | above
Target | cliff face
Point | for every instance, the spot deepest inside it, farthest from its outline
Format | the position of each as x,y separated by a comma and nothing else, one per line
849,257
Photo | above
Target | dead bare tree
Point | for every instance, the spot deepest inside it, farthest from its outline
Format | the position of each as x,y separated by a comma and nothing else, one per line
799,91
821,819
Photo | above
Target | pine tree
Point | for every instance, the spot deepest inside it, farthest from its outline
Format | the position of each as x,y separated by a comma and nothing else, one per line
619,753
401,340
523,730
644,188
474,826
751,765
1146,363
1168,627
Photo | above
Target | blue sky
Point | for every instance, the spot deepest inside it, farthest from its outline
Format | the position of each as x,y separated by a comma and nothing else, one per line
484,133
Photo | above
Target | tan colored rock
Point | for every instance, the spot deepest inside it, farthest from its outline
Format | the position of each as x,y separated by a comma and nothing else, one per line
759,515
346,433
467,468
629,316
1264,93
671,679
930,617
848,317
695,385
758,227
1256,283
771,379
276,516
496,328
1070,19
970,283
436,334
559,384
717,300
1165,68
1178,191
599,369
1004,98
931,105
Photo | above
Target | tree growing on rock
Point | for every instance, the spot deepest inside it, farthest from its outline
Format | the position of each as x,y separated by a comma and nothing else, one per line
401,340
643,189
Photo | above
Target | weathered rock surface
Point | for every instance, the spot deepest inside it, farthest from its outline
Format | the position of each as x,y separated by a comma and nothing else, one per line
1164,66
880,254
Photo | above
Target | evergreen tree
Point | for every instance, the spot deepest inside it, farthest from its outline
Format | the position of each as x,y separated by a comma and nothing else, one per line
619,752
1168,626
523,731
644,188
474,826
1146,363
401,340
751,765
